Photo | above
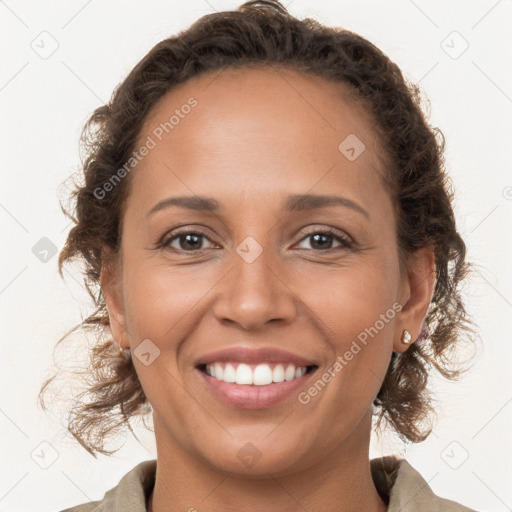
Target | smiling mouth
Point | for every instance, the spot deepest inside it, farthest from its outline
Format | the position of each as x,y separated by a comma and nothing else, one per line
262,374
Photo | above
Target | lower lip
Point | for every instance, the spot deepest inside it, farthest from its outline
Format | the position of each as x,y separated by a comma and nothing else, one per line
253,397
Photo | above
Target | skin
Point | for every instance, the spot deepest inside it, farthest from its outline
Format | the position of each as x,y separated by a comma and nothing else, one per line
256,136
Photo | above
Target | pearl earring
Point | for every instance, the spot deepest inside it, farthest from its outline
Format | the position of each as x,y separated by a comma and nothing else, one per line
406,337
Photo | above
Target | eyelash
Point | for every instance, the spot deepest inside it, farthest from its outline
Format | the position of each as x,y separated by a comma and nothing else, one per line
345,241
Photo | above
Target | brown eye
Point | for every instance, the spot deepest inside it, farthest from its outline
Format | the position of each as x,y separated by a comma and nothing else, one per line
186,241
322,239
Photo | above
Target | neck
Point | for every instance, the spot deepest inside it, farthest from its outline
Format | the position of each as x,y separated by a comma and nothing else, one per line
341,482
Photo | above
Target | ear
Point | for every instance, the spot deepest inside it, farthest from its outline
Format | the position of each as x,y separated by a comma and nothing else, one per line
416,293
111,286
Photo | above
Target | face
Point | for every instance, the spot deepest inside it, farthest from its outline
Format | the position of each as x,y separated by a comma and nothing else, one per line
263,274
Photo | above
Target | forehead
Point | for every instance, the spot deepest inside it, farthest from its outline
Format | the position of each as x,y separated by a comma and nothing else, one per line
245,131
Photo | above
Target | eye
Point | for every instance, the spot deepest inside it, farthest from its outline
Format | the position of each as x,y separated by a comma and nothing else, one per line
187,241
322,239
192,241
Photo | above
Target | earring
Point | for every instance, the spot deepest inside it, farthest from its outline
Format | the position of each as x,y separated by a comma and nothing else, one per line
406,337
120,348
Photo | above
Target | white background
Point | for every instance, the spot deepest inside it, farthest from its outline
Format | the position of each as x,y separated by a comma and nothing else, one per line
44,103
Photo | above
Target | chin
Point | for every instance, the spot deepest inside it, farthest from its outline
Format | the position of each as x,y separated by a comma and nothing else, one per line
257,460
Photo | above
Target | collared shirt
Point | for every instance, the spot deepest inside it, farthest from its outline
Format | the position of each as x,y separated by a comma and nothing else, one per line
397,482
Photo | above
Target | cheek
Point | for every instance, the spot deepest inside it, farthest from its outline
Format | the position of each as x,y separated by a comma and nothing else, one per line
360,311
159,298
160,304
356,296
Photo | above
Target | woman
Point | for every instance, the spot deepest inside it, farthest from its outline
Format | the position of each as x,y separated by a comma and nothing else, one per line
266,211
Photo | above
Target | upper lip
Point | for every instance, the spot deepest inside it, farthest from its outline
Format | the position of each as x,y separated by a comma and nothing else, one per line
251,355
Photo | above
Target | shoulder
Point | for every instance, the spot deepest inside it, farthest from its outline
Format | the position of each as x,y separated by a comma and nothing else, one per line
406,490
129,495
85,507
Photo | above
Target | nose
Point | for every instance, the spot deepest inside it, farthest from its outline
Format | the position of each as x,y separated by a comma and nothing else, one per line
255,293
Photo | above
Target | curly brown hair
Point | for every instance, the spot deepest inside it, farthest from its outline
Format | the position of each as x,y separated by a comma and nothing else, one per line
264,33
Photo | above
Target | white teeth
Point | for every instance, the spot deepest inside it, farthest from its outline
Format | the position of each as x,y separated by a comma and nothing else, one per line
229,374
262,374
299,372
278,373
243,374
289,374
219,372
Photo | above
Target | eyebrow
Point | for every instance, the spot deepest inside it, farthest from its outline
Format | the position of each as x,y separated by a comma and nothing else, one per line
293,203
